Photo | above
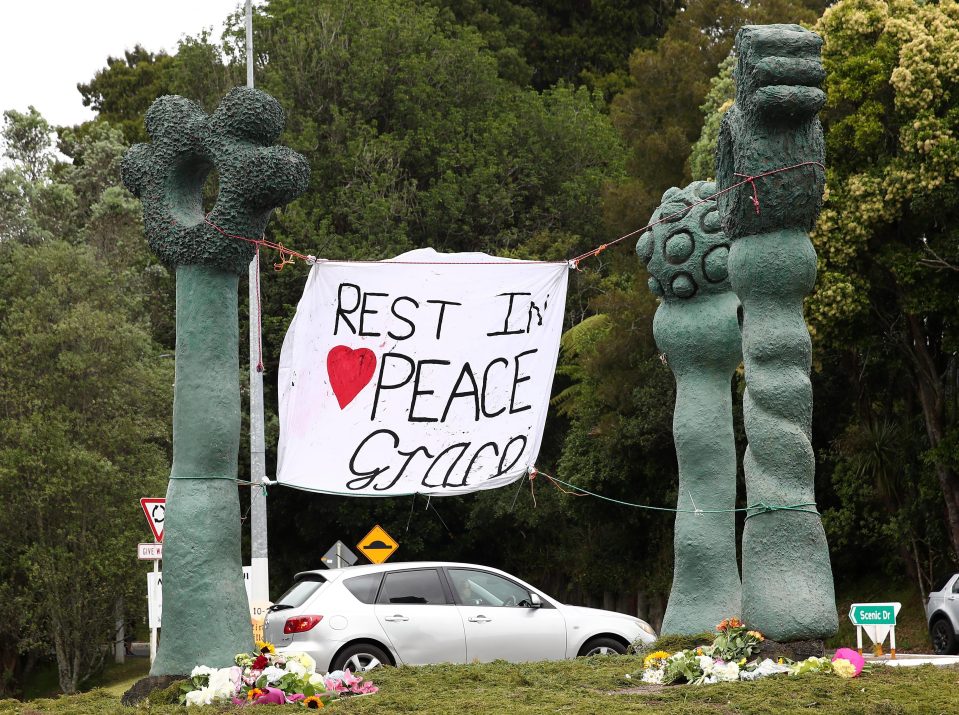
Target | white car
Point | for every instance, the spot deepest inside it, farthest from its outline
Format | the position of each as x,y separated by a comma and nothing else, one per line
942,614
432,612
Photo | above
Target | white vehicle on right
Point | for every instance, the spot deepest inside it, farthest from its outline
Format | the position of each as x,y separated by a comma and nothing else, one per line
942,614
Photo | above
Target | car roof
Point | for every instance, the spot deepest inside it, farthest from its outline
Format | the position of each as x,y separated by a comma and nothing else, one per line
334,574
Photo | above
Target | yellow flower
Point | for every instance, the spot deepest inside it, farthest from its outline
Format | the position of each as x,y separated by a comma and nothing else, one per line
843,667
254,693
756,634
265,647
312,702
652,659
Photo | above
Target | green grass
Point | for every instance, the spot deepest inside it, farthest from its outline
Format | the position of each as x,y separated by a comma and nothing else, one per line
115,678
595,685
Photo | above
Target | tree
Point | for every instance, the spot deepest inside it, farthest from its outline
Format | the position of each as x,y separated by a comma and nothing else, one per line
891,118
27,140
543,43
84,404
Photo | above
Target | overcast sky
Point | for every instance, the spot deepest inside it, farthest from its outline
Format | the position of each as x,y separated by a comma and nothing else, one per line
47,46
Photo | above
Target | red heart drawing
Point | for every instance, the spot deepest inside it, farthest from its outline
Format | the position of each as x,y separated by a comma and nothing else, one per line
350,371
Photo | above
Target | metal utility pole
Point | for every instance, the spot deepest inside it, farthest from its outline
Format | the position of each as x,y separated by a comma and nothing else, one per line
259,561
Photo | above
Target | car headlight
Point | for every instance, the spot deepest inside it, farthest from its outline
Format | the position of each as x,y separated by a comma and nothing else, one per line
646,627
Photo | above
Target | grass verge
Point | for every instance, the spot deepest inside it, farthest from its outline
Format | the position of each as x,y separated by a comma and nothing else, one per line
595,685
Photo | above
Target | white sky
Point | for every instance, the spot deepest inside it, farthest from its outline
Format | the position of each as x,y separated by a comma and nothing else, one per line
48,46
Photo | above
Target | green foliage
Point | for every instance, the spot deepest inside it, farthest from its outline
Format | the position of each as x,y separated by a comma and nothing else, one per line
544,43
84,401
886,237
722,92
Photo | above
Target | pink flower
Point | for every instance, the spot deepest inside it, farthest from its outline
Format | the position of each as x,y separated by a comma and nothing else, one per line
272,696
334,685
852,656
366,688
349,680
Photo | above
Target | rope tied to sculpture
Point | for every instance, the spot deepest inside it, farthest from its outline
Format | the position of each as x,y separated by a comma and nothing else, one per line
287,256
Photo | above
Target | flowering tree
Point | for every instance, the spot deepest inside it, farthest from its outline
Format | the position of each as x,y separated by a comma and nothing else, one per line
887,234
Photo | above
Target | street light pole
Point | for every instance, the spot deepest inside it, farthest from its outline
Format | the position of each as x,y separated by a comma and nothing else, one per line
259,561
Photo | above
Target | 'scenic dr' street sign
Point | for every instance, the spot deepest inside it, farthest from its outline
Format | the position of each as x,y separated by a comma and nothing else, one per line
874,614
879,621
377,546
154,510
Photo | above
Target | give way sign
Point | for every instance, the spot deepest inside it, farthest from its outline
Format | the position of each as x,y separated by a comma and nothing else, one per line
154,509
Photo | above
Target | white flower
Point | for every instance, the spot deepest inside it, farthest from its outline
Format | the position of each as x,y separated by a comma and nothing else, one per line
317,679
303,659
202,670
726,671
273,673
766,668
705,663
224,682
294,666
653,675
203,696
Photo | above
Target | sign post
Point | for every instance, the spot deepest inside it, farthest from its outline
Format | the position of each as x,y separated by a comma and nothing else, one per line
878,620
155,511
377,545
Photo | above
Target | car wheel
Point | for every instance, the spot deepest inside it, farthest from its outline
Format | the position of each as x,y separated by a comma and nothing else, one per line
360,658
602,646
943,637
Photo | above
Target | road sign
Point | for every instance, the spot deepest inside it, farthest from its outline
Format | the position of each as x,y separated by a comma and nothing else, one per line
154,510
149,552
377,546
878,620
874,614
339,556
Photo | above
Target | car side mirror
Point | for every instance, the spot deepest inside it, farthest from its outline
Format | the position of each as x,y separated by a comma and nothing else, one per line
535,601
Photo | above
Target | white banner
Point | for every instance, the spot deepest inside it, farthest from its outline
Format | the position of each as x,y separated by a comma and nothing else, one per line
429,373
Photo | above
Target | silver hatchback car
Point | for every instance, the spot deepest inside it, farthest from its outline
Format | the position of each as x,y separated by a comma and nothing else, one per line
433,612
942,613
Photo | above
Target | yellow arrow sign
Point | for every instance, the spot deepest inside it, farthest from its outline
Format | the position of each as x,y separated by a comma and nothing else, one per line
377,546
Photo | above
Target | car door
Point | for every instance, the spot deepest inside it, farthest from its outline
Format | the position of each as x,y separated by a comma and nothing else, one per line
415,609
499,621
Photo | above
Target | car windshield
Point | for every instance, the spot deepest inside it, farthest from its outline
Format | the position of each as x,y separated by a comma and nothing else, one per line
300,591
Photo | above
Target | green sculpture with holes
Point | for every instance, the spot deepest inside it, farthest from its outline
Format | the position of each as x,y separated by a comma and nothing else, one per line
205,611
696,327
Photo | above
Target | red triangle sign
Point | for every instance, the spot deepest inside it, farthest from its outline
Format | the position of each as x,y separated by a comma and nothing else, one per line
154,508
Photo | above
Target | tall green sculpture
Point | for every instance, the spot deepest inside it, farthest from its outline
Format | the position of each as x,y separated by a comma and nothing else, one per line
205,612
696,327
787,579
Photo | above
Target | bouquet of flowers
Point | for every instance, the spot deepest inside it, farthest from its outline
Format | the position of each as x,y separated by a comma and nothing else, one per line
727,659
265,677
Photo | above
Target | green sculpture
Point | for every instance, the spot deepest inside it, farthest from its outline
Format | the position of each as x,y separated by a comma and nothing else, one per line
205,611
787,579
696,327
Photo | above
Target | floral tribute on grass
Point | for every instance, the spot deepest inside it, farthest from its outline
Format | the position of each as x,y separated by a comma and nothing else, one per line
266,677
728,659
